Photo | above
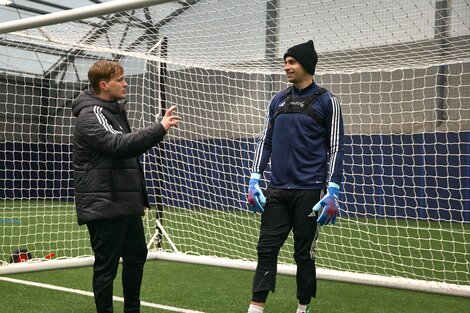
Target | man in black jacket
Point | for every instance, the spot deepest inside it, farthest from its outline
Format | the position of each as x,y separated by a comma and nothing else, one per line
110,192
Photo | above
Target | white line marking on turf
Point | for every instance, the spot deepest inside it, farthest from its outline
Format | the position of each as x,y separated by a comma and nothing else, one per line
90,294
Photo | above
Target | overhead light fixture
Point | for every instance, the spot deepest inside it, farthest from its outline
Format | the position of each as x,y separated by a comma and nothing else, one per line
5,2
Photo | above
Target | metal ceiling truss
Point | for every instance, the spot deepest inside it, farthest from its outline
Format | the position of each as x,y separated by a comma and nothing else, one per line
68,57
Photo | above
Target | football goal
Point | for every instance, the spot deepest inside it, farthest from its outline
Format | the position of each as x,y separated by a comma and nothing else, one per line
401,70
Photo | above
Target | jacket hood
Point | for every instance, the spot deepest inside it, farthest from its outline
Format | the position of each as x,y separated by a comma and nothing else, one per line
86,99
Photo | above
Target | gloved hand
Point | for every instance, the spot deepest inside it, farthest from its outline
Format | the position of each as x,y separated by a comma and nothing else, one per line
256,198
330,205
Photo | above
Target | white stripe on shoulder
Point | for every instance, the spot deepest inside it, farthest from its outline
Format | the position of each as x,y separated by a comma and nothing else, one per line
103,121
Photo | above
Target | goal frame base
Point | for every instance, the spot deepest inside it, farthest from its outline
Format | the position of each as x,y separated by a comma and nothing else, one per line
284,269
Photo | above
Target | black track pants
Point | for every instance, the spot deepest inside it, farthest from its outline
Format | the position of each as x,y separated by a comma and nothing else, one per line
110,240
287,210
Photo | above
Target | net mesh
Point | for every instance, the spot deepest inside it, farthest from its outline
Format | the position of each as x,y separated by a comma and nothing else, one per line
401,70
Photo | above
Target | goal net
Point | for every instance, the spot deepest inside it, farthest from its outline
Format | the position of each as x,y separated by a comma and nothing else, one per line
401,70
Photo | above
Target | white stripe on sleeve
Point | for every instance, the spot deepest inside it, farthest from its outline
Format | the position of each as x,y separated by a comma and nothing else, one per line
103,121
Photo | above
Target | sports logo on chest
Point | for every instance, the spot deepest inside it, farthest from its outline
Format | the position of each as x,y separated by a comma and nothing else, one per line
298,103
302,105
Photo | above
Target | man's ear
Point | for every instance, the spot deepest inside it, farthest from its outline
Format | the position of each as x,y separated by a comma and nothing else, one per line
103,86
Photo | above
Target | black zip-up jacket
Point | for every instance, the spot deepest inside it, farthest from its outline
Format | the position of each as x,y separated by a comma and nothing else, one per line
108,177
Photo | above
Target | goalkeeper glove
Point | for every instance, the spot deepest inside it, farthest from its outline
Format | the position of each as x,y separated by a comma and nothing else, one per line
330,205
256,198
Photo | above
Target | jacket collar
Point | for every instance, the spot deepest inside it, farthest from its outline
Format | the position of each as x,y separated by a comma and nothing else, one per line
86,99
304,91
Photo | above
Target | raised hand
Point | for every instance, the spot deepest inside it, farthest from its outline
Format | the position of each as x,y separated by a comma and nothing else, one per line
170,120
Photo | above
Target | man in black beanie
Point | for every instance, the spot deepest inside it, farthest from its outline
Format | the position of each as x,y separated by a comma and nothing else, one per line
303,139
305,54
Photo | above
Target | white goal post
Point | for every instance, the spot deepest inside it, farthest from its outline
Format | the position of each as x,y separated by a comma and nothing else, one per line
401,70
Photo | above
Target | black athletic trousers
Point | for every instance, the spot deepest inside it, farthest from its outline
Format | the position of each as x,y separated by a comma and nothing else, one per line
287,210
111,239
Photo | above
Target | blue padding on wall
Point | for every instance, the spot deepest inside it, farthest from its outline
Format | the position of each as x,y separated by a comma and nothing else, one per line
418,176
206,174
33,171
409,176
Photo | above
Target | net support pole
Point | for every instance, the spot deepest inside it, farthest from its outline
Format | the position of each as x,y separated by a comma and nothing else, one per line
272,38
442,34
272,29
76,14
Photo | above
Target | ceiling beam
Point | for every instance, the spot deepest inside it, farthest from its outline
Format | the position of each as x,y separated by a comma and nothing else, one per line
27,9
50,4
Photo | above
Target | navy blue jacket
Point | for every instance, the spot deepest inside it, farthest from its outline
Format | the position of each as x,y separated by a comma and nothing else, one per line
305,153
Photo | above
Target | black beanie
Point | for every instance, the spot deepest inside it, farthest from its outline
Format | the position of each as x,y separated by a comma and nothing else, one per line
305,54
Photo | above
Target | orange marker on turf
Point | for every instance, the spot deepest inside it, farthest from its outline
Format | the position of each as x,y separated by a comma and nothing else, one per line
49,256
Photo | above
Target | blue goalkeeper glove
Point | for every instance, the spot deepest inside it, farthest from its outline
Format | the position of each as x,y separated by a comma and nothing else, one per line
330,205
256,198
